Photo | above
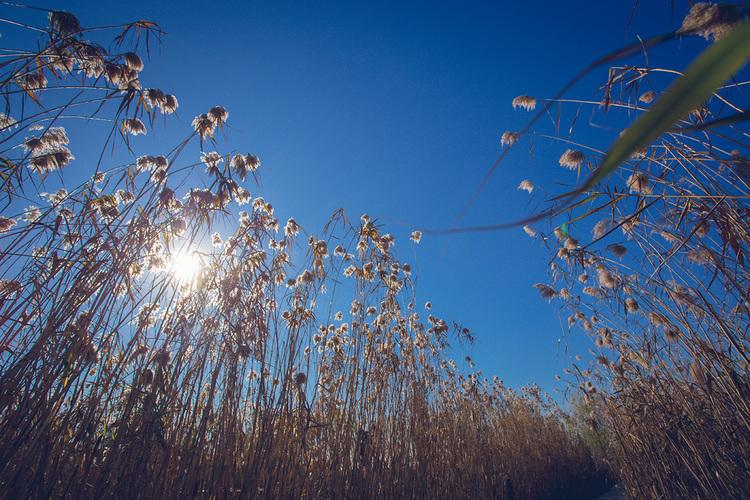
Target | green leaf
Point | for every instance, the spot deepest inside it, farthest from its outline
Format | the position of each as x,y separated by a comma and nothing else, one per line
710,70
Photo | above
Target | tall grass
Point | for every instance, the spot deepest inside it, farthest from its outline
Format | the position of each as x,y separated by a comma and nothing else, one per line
652,265
156,343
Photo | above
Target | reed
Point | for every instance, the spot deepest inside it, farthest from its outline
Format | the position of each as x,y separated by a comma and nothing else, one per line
164,335
652,266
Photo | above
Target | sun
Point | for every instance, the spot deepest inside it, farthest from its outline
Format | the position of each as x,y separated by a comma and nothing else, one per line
185,266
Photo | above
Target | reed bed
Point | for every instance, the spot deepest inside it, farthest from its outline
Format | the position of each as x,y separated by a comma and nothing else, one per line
158,341
653,267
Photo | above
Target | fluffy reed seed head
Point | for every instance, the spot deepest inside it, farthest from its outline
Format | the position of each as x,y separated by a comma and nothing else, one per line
133,126
647,97
133,61
638,183
526,185
525,102
571,159
509,138
546,291
63,23
710,20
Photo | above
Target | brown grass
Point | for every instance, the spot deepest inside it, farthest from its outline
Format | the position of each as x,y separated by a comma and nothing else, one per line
660,283
117,379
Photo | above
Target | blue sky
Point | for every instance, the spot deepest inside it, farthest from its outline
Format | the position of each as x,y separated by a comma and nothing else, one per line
395,109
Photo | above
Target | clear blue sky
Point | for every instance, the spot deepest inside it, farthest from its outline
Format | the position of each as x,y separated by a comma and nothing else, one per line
395,109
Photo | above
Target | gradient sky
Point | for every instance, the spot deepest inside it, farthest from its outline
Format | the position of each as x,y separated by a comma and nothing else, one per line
395,109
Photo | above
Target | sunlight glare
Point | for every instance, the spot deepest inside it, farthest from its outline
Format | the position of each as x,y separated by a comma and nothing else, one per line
186,265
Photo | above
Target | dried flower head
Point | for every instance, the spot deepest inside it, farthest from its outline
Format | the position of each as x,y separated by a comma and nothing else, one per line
211,159
571,159
631,305
48,162
133,126
204,126
546,291
700,256
114,73
6,121
239,165
179,226
657,319
6,224
218,115
638,183
33,145
524,101
600,228
526,185
133,61
242,197
571,243
32,81
509,138
155,98
617,249
416,236
606,278
90,59
170,104
710,20
32,214
63,23
291,228
628,226
647,97
595,292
